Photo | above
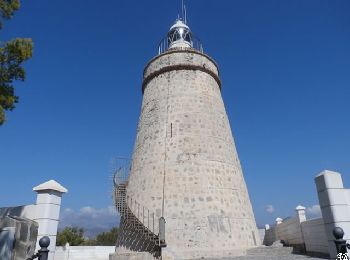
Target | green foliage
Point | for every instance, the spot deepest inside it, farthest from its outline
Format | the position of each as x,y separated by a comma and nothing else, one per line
108,238
8,7
75,237
72,235
12,54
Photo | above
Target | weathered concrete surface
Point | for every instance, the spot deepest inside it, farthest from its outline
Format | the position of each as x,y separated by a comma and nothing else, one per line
270,253
24,237
83,252
132,256
185,164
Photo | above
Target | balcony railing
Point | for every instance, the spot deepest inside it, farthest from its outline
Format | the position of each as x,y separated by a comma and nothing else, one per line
165,44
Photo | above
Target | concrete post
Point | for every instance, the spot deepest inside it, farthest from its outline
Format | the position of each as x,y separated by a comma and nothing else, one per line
301,213
66,251
47,211
278,221
301,216
334,203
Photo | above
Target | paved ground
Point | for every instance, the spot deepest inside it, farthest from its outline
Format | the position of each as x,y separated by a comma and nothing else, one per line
271,253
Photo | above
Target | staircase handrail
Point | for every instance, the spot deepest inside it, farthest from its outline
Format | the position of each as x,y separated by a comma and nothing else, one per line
143,214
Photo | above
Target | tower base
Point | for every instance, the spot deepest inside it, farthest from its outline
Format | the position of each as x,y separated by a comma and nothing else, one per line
168,254
132,256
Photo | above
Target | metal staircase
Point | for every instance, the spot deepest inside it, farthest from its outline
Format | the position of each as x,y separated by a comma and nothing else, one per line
139,228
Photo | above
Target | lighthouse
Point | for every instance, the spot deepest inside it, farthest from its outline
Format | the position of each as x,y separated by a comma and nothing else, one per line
184,194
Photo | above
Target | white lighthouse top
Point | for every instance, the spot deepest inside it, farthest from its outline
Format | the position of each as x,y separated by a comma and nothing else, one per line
179,35
178,24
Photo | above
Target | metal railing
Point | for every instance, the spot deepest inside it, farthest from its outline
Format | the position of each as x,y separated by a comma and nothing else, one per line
164,45
43,252
134,214
122,169
340,243
146,217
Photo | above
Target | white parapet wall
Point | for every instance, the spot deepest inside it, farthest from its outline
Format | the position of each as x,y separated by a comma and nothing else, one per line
335,205
83,252
289,230
45,212
306,235
314,235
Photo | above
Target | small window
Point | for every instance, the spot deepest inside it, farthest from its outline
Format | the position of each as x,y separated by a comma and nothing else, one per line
188,37
177,36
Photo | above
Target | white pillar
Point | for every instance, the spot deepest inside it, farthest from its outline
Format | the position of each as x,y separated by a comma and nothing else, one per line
278,221
301,213
47,212
334,205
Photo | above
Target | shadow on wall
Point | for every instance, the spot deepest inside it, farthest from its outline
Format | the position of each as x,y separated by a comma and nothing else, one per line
18,211
17,237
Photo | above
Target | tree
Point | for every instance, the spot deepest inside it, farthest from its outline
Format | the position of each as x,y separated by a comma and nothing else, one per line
72,235
12,55
108,238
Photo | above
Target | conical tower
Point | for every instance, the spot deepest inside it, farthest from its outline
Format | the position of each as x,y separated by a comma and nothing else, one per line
185,168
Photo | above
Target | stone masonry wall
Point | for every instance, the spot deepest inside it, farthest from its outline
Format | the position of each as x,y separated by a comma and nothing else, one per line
185,165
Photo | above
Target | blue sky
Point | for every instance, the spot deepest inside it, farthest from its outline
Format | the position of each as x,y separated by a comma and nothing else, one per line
285,69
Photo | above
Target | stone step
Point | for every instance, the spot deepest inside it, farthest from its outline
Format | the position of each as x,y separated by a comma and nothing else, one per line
267,250
269,253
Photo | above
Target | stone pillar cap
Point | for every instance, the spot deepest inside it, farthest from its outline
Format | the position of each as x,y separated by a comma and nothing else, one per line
300,208
326,172
50,185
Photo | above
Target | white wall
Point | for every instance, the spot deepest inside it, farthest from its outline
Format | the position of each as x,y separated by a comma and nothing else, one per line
315,237
317,234
261,234
308,235
83,252
290,232
45,211
334,203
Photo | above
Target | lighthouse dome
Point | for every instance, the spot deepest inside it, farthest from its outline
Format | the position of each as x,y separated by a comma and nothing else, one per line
179,35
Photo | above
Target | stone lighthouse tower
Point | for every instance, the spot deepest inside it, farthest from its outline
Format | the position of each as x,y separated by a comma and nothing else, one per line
185,196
